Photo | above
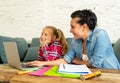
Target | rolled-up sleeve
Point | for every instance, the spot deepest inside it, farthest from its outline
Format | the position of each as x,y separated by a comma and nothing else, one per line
70,55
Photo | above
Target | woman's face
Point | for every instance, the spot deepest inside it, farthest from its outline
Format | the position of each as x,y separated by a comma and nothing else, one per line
76,29
46,36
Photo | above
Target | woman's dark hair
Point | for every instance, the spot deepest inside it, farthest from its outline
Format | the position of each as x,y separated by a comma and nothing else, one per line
86,16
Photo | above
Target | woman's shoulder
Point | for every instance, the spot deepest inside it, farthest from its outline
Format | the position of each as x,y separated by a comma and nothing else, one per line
99,31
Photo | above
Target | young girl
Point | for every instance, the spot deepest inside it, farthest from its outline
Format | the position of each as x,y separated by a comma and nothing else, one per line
52,44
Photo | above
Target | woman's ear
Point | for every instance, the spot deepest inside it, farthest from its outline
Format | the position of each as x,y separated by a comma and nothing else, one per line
84,26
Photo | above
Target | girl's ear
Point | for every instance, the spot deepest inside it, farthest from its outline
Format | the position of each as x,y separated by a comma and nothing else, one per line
54,38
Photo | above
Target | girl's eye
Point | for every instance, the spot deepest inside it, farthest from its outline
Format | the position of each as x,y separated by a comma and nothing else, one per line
72,27
45,34
42,34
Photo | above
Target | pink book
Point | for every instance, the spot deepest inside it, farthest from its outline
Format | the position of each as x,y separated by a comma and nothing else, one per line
40,72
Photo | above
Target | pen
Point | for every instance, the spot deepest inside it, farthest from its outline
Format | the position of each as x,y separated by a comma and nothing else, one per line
92,75
24,72
63,66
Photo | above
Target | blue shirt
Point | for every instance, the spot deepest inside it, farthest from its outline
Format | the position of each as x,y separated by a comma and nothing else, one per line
99,50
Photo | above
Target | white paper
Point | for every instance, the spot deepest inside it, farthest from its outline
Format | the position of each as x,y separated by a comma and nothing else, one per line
76,69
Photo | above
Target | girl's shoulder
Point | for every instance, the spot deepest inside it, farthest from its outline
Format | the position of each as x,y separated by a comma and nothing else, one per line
56,43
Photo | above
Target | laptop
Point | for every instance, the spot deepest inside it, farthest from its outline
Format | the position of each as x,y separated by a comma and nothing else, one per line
13,58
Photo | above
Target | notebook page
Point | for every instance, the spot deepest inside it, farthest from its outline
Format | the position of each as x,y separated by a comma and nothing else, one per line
71,68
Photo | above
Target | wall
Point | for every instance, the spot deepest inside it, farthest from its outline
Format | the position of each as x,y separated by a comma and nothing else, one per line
26,18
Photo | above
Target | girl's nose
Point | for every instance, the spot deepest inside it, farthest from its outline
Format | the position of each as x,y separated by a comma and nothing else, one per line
42,37
70,30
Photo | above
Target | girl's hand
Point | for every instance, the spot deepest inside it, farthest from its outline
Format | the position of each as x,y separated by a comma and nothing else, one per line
48,41
42,41
35,64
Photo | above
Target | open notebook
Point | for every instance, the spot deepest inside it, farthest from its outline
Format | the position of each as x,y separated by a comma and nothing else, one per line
74,69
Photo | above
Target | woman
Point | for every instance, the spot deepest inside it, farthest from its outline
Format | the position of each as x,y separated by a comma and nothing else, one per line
91,45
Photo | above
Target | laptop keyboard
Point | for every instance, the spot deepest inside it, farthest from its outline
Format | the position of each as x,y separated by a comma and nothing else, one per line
24,66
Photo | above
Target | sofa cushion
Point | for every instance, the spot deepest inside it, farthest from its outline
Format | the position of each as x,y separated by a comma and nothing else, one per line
69,40
22,47
32,54
117,49
2,51
35,42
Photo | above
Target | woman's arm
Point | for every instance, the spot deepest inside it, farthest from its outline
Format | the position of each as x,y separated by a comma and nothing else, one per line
80,62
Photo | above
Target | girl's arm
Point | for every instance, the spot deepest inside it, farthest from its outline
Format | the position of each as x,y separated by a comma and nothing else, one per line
40,53
46,63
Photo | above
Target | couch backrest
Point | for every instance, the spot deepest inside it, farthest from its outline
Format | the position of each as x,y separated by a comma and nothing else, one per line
116,48
69,40
35,42
22,47
32,53
21,44
2,51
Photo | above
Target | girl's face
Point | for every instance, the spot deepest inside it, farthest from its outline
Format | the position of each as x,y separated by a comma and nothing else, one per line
46,36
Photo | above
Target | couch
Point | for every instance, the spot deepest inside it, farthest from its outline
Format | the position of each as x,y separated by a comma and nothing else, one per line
116,48
21,44
27,51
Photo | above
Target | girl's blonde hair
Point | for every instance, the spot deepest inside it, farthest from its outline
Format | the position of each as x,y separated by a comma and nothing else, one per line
60,38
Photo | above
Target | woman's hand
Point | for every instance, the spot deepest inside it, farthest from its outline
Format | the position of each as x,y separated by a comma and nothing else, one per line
35,64
80,62
75,60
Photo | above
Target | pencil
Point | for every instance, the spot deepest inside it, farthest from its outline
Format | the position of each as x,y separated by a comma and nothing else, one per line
92,75
24,72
